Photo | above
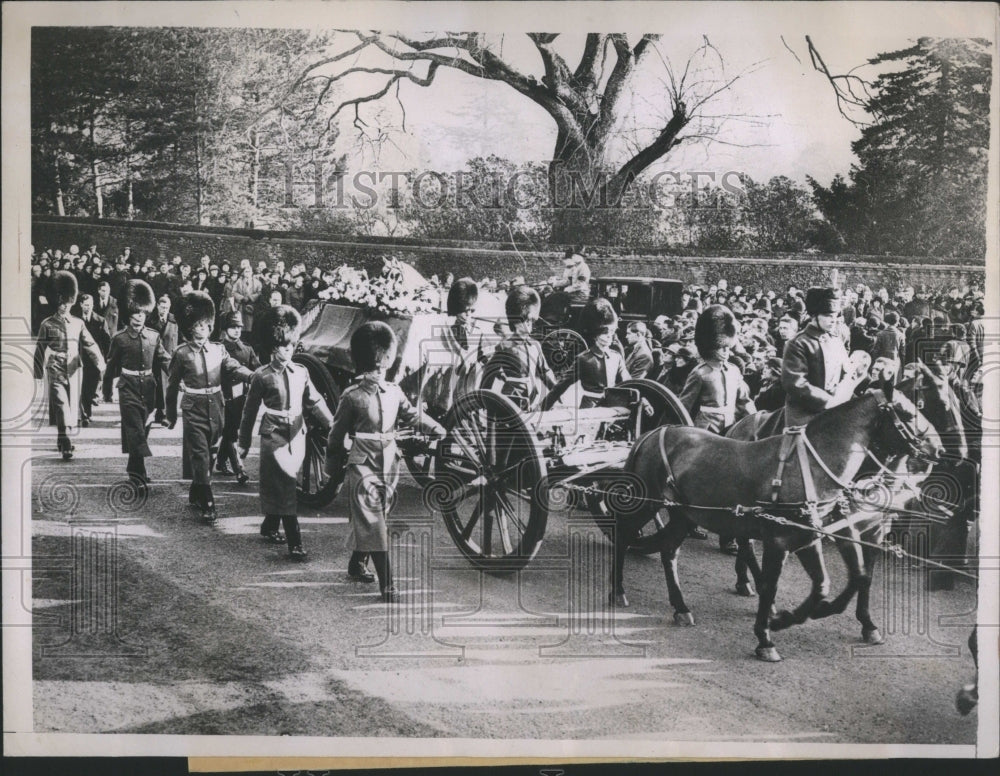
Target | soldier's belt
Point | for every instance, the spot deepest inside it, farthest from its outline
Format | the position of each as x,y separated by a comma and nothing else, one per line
202,391
278,413
388,436
137,372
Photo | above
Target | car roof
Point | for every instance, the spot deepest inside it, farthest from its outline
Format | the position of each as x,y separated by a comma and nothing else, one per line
625,279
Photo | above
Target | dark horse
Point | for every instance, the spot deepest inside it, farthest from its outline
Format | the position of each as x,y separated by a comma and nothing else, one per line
935,425
718,483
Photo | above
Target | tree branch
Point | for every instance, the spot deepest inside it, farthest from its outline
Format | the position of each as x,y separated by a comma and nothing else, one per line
843,87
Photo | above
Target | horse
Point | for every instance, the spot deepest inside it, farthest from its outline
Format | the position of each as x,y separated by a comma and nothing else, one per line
934,423
759,497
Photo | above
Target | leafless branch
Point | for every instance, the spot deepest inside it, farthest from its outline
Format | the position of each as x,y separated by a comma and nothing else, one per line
851,91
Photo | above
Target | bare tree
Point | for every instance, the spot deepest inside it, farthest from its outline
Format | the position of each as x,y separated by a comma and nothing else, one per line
588,103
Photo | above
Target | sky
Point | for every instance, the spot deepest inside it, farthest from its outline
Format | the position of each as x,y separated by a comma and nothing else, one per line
796,129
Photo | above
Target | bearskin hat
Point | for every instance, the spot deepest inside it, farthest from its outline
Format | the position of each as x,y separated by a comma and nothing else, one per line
714,329
64,287
822,301
231,320
195,306
462,296
138,298
370,343
279,326
596,315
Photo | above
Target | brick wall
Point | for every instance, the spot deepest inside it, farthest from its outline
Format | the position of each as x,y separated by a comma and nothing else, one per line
162,241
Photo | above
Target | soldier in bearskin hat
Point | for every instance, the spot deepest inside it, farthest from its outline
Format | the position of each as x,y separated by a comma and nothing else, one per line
282,390
63,344
600,366
200,366
815,362
715,394
368,412
135,355
234,394
452,364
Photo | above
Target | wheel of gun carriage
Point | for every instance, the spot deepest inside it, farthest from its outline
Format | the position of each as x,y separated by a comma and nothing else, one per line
491,483
667,409
315,489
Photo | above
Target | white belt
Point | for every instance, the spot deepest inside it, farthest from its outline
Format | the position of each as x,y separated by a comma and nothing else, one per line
137,372
202,391
236,390
278,413
388,436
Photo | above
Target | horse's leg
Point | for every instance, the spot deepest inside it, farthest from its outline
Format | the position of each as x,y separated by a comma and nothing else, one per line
626,530
859,562
774,560
673,537
811,558
869,630
746,561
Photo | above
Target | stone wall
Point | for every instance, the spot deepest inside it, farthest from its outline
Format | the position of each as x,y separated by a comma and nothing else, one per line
162,241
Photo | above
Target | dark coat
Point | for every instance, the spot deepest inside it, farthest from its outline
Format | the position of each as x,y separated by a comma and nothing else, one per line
805,376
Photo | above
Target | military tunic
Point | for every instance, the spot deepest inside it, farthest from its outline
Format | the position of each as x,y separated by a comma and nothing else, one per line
62,346
284,395
596,371
134,358
234,393
452,366
201,370
368,412
715,395
813,365
525,371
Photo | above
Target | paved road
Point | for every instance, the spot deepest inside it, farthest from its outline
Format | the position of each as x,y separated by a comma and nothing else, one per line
161,624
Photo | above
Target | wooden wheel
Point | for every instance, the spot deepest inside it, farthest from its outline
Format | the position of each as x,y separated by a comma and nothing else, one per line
561,347
667,408
490,483
315,488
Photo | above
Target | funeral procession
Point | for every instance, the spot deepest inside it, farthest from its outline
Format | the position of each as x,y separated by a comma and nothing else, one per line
507,387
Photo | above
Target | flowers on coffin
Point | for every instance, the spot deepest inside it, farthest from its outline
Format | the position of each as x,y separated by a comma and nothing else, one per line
386,294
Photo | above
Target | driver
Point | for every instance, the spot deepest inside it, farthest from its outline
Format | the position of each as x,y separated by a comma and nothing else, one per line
815,362
575,279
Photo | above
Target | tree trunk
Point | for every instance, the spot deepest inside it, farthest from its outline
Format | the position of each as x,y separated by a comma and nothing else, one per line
318,184
199,195
94,173
289,183
254,172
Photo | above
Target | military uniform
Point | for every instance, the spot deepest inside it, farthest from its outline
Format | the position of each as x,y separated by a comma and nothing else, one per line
525,371
234,393
62,346
813,365
133,358
452,366
596,370
200,369
284,395
716,396
368,412
169,336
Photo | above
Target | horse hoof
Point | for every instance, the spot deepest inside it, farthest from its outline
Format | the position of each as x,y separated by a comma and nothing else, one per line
683,618
745,589
873,636
967,699
768,654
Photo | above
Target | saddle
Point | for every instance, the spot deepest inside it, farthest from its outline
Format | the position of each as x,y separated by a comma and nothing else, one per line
768,424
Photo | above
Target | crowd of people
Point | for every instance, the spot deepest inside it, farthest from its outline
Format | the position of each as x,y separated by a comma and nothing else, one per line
224,334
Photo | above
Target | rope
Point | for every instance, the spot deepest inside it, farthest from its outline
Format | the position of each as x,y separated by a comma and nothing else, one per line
739,511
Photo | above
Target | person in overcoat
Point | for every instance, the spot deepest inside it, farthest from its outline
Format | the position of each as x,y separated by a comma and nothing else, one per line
815,362
91,377
639,358
234,392
519,358
715,394
162,321
452,361
600,366
62,347
282,390
369,411
135,355
200,366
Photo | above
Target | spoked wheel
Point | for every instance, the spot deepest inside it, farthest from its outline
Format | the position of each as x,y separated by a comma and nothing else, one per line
491,484
561,347
315,489
667,408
